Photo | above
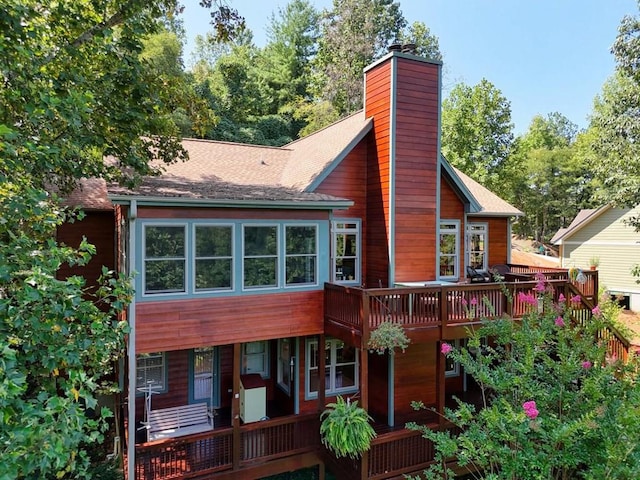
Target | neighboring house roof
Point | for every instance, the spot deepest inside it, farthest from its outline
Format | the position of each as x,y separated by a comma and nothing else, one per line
231,173
581,219
90,194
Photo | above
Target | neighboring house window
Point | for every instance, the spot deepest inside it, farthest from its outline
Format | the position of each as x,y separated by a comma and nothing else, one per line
285,364
452,368
255,358
164,259
478,246
213,257
150,372
346,252
449,249
341,367
260,256
301,264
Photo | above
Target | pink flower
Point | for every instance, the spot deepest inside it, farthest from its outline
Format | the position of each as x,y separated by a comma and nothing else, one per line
463,302
445,348
586,364
575,299
530,409
559,321
474,301
596,311
561,298
540,287
527,298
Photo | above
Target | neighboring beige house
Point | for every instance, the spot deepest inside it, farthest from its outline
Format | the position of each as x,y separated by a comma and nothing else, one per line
604,233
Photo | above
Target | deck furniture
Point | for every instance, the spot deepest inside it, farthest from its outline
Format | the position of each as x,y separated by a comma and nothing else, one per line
178,421
476,276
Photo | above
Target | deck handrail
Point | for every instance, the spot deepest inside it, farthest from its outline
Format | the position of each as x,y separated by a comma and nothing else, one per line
210,452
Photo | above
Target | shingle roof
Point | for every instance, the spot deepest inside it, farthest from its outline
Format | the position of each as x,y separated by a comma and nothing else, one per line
583,217
490,203
219,171
90,194
314,154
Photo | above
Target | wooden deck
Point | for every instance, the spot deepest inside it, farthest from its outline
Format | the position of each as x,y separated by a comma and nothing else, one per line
291,442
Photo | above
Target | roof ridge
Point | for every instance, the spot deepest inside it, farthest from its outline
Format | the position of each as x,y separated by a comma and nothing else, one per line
324,128
225,142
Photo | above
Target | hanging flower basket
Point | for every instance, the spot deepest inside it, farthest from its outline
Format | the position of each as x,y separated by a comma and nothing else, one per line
388,336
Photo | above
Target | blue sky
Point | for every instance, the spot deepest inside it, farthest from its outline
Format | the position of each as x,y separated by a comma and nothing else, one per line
544,55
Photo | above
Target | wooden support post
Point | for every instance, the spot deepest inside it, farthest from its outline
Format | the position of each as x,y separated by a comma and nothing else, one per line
364,355
235,406
364,466
444,311
441,362
321,372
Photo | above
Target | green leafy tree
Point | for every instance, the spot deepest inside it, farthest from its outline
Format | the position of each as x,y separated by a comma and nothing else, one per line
477,133
58,342
76,89
555,404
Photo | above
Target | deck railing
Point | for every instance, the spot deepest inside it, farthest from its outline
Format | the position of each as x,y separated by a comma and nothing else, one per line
433,307
401,452
211,452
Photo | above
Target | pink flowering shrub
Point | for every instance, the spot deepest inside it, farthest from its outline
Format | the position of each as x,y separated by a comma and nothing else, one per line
554,403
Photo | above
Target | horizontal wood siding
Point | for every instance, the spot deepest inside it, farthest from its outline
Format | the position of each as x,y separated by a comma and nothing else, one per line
614,242
230,213
416,160
181,324
452,208
99,229
415,378
349,180
378,105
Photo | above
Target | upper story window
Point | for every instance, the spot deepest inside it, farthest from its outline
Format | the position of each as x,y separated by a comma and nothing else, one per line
301,254
449,249
150,372
260,256
346,252
213,257
164,259
199,256
477,234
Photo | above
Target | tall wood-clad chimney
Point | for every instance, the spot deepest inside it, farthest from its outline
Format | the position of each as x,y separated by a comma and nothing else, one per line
402,94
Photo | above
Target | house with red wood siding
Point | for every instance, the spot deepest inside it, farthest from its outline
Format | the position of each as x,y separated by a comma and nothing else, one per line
260,273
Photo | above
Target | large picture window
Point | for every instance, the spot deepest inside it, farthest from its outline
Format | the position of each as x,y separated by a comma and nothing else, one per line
213,257
260,256
478,246
341,367
150,372
301,255
449,250
346,252
164,259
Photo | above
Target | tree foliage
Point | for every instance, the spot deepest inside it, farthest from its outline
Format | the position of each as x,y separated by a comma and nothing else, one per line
77,87
555,404
477,133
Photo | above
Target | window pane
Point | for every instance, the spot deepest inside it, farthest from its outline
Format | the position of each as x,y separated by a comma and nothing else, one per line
162,242
345,353
345,376
213,241
260,272
260,241
301,270
447,244
213,274
164,276
301,240
314,380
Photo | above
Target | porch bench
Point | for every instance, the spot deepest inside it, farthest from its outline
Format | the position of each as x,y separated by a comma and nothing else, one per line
178,421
